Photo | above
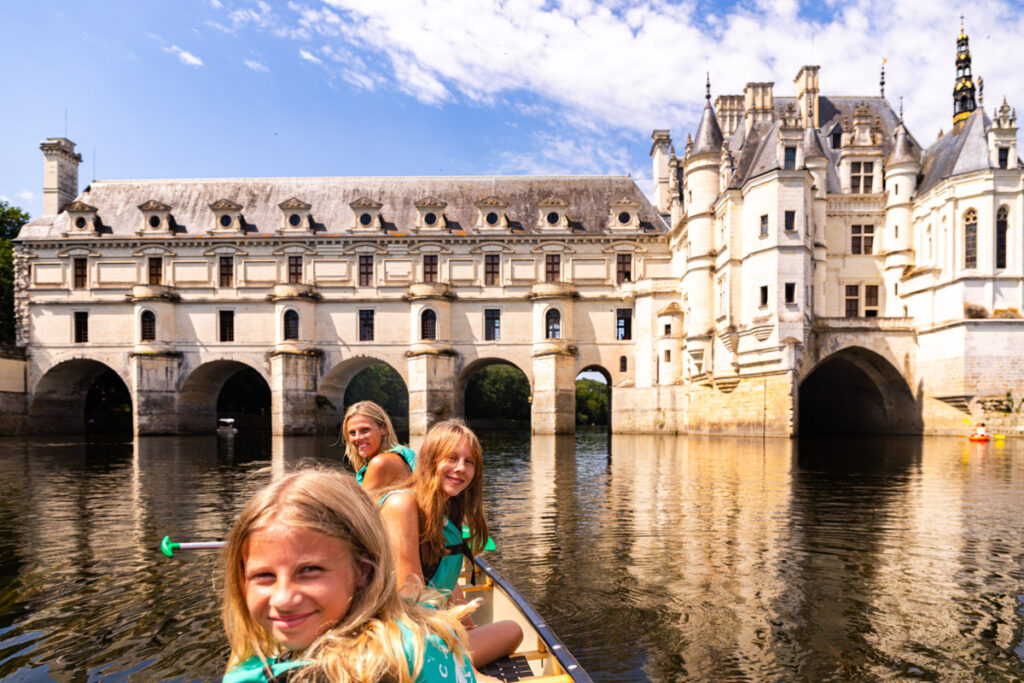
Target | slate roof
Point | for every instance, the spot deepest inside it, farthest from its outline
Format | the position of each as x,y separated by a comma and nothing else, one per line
958,152
588,198
709,134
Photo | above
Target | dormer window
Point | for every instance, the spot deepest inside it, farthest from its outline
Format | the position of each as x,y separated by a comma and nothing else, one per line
83,217
554,214
836,138
366,212
227,216
492,214
861,177
624,214
431,214
295,215
156,216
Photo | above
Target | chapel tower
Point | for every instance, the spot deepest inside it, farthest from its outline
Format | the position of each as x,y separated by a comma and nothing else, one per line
963,90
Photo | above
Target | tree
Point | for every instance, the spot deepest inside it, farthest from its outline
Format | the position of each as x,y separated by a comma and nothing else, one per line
498,392
591,402
11,220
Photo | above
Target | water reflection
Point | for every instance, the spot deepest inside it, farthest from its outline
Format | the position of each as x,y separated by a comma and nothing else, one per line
659,558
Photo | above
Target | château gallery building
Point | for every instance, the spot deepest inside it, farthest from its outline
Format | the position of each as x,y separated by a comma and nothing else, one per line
805,265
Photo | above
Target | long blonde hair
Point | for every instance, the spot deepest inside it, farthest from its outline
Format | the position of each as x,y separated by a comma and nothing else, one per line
372,411
465,508
367,644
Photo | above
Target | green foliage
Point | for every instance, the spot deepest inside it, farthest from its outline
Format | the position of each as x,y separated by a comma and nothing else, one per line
381,384
498,392
591,402
324,403
11,220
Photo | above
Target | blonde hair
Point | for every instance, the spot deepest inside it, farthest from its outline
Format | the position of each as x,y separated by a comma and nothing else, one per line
367,644
465,508
372,411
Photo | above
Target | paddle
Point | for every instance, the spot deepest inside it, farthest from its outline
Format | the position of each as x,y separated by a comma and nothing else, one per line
167,547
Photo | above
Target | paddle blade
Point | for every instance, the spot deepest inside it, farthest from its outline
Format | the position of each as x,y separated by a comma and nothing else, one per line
166,547
968,420
487,546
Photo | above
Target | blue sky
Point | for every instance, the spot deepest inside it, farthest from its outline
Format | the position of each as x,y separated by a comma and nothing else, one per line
247,88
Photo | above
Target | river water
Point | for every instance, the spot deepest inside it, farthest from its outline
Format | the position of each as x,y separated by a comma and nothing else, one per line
654,557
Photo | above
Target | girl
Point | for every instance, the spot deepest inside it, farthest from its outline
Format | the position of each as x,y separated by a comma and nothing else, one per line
310,593
372,447
424,519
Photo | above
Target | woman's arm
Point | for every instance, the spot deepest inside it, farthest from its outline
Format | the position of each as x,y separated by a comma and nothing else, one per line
384,470
401,522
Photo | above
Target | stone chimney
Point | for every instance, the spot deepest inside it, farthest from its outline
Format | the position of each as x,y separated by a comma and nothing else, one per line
807,96
661,152
758,102
60,174
730,113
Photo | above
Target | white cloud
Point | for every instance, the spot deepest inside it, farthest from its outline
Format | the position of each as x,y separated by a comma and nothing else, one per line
26,195
216,4
256,66
185,57
310,57
635,65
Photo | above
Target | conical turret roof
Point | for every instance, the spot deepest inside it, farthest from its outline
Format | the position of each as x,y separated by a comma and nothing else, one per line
903,150
709,135
812,145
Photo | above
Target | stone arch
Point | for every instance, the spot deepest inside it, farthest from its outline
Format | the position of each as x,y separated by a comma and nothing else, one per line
58,398
336,380
601,370
197,398
856,391
471,368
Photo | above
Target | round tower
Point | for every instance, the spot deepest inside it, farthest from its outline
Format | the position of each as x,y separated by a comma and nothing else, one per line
901,171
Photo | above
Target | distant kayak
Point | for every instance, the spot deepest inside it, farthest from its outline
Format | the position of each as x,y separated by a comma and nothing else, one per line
979,438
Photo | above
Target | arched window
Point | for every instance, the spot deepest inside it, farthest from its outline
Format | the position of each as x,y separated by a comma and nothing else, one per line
148,326
1002,225
622,364
971,239
428,325
553,325
931,247
291,324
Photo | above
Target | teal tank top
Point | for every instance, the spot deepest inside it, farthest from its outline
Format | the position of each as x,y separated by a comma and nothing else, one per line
408,455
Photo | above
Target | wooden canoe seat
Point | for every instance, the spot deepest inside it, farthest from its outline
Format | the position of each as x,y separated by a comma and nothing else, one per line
514,668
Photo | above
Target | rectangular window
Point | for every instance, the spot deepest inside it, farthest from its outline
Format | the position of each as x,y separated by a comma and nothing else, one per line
764,225
156,270
790,221
862,239
227,271
870,301
668,356
861,176
430,268
623,268
365,325
668,329
81,269
789,161
365,270
492,324
624,324
295,269
491,266
81,327
764,295
1004,157
852,301
790,292
552,268
227,325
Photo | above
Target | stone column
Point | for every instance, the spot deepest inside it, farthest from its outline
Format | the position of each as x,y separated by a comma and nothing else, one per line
293,381
431,388
155,375
554,389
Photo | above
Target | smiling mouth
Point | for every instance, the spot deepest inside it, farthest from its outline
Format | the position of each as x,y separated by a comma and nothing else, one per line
290,621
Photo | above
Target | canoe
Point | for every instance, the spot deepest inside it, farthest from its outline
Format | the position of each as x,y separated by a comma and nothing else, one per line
541,657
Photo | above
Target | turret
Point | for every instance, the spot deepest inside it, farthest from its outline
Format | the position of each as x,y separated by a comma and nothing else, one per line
897,241
963,89
60,174
1002,138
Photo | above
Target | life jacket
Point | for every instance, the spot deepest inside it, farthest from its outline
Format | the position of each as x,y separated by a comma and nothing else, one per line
443,575
408,455
255,670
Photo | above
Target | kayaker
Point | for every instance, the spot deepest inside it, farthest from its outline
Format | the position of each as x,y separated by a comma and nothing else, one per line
424,517
372,447
310,593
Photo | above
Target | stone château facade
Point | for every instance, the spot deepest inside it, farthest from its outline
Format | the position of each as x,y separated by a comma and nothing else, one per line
806,265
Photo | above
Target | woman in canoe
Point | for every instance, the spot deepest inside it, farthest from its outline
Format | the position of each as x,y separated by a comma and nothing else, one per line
310,594
424,518
373,449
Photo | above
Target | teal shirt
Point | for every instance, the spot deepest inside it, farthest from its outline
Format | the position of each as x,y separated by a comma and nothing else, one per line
439,664
447,573
408,455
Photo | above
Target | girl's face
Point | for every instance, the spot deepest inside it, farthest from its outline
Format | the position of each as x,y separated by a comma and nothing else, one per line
455,471
366,435
298,582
